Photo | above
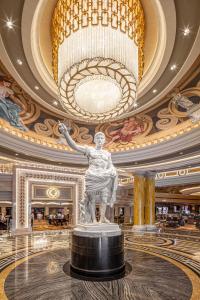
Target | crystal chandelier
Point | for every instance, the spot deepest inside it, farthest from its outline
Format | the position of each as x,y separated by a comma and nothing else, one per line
97,48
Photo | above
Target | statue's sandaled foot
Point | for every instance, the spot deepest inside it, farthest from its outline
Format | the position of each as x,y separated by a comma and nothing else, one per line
95,222
104,220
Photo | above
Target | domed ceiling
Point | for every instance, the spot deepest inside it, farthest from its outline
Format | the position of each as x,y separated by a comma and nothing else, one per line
155,123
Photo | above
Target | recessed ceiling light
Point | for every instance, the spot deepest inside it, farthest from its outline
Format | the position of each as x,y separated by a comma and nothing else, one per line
154,91
173,67
55,102
180,153
10,24
37,87
19,62
16,154
186,31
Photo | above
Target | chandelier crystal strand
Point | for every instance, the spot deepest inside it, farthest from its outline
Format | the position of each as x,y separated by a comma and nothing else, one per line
117,46
102,41
70,16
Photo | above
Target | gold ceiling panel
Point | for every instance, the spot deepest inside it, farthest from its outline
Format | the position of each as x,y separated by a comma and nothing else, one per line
71,15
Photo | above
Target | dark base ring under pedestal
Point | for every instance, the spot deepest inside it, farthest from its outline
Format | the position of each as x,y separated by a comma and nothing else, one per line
104,276
97,258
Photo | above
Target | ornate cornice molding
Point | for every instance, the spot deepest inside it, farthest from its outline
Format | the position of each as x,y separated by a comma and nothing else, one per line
31,147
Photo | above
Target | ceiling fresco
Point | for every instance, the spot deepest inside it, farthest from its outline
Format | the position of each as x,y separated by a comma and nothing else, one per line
164,37
26,115
162,123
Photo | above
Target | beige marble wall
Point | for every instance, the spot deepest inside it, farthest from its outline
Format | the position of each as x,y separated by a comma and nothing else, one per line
24,177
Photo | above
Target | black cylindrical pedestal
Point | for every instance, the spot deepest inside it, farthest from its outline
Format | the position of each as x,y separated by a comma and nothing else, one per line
97,257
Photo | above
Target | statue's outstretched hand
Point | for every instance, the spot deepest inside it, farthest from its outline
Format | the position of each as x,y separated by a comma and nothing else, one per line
62,127
65,131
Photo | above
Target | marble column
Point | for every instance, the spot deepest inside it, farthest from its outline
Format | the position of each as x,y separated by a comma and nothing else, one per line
150,201
3,210
139,202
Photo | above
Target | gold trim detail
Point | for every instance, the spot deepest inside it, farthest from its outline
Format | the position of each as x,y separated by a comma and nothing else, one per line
71,15
53,193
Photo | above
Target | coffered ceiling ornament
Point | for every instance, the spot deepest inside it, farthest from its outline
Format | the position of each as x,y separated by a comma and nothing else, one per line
97,54
103,74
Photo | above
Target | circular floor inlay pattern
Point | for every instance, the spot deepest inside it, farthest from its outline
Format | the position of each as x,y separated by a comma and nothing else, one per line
151,278
151,240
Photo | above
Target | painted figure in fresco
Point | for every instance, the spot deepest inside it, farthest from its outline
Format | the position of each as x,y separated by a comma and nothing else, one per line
100,178
129,129
183,101
193,110
9,110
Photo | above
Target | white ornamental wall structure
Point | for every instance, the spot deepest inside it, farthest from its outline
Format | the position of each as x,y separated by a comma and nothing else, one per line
23,178
98,56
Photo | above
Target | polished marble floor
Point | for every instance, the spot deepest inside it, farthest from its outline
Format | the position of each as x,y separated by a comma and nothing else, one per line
161,266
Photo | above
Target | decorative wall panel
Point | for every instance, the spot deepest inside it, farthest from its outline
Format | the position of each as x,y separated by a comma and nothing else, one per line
49,192
21,199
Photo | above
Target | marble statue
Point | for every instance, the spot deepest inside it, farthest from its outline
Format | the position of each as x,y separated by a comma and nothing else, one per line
100,178
9,110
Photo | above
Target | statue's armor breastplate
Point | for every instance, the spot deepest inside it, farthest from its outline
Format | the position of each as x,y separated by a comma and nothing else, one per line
98,159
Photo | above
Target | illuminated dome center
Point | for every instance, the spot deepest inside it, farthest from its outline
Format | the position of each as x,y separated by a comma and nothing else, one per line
99,95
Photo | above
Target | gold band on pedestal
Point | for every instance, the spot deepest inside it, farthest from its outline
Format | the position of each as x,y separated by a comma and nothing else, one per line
71,15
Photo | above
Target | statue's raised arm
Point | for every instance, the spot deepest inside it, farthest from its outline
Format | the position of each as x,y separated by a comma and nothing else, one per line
100,178
64,130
